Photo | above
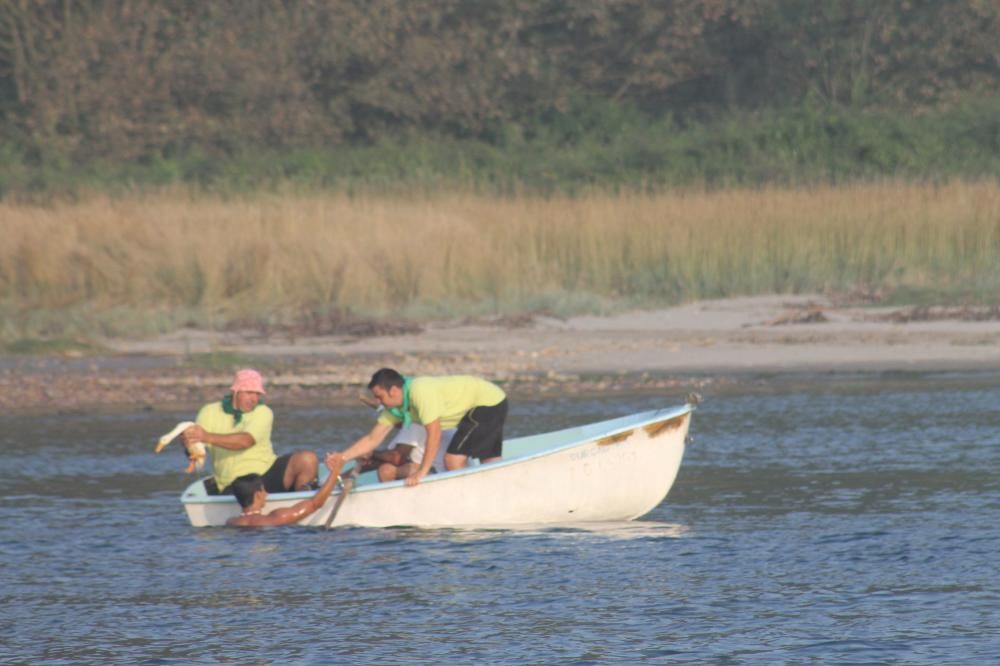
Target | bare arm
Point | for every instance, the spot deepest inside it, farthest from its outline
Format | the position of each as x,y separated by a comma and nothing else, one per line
236,441
367,443
430,452
298,511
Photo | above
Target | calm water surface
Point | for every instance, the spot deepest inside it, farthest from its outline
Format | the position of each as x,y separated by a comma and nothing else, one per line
834,523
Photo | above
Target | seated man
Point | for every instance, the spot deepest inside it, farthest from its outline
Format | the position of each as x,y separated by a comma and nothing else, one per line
405,453
237,432
477,407
252,496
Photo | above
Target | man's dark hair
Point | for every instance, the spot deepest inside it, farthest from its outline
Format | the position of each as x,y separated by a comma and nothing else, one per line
386,378
245,487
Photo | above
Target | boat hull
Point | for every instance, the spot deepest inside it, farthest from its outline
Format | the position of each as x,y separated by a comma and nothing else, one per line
609,471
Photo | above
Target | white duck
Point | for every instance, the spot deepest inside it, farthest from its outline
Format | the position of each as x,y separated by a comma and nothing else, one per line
195,451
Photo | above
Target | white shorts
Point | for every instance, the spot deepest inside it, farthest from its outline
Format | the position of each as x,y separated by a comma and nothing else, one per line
415,435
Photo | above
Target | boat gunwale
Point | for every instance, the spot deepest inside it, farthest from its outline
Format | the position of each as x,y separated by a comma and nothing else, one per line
654,416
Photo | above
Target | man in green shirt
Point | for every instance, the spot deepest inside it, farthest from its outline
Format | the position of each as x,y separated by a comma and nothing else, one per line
237,432
475,407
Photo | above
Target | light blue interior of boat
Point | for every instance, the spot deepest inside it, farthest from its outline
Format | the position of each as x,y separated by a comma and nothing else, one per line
515,451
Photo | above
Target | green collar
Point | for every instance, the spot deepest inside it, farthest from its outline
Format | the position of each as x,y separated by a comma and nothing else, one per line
403,413
229,408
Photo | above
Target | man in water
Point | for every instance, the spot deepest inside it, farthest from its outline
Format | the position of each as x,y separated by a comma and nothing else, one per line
475,407
252,496
237,430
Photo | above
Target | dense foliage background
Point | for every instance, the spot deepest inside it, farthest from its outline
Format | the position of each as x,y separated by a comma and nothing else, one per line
543,94
287,163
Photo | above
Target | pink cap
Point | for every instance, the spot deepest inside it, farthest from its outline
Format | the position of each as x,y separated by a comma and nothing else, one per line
248,380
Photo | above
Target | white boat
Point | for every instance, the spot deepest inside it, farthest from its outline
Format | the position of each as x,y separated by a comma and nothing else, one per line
613,470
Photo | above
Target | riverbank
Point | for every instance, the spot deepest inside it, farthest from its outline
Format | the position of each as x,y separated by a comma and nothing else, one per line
703,346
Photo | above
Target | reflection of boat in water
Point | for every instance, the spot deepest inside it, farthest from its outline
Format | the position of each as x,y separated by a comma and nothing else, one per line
613,470
593,532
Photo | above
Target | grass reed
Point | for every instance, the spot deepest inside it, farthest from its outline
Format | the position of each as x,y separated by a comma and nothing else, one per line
147,263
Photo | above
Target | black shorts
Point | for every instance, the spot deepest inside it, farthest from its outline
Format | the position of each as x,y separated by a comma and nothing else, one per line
274,479
480,432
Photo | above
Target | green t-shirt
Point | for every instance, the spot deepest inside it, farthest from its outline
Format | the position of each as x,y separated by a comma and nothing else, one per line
227,464
447,399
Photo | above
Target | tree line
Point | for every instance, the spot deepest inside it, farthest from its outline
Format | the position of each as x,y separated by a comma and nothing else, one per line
132,80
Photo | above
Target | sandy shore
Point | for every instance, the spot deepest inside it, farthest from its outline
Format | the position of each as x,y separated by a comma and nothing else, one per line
692,347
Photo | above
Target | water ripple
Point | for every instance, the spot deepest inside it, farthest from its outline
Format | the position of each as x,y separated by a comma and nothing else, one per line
808,525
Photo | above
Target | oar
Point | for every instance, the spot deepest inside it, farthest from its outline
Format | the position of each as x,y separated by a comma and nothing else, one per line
346,484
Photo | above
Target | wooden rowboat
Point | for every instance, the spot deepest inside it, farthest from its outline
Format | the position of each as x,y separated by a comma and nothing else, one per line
613,470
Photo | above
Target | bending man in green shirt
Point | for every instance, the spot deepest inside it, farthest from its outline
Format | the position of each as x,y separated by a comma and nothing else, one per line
475,407
237,430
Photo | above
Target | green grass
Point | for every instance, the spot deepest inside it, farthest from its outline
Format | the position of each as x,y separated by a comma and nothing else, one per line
49,347
227,360
592,145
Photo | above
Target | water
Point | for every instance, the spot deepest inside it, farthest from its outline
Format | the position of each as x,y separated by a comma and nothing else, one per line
843,523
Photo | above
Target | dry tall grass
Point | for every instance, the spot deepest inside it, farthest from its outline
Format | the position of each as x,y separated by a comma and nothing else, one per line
455,253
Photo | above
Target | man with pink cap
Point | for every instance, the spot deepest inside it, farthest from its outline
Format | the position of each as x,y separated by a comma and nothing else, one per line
237,430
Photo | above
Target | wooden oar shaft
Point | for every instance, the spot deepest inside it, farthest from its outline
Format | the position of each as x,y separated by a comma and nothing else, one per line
345,487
